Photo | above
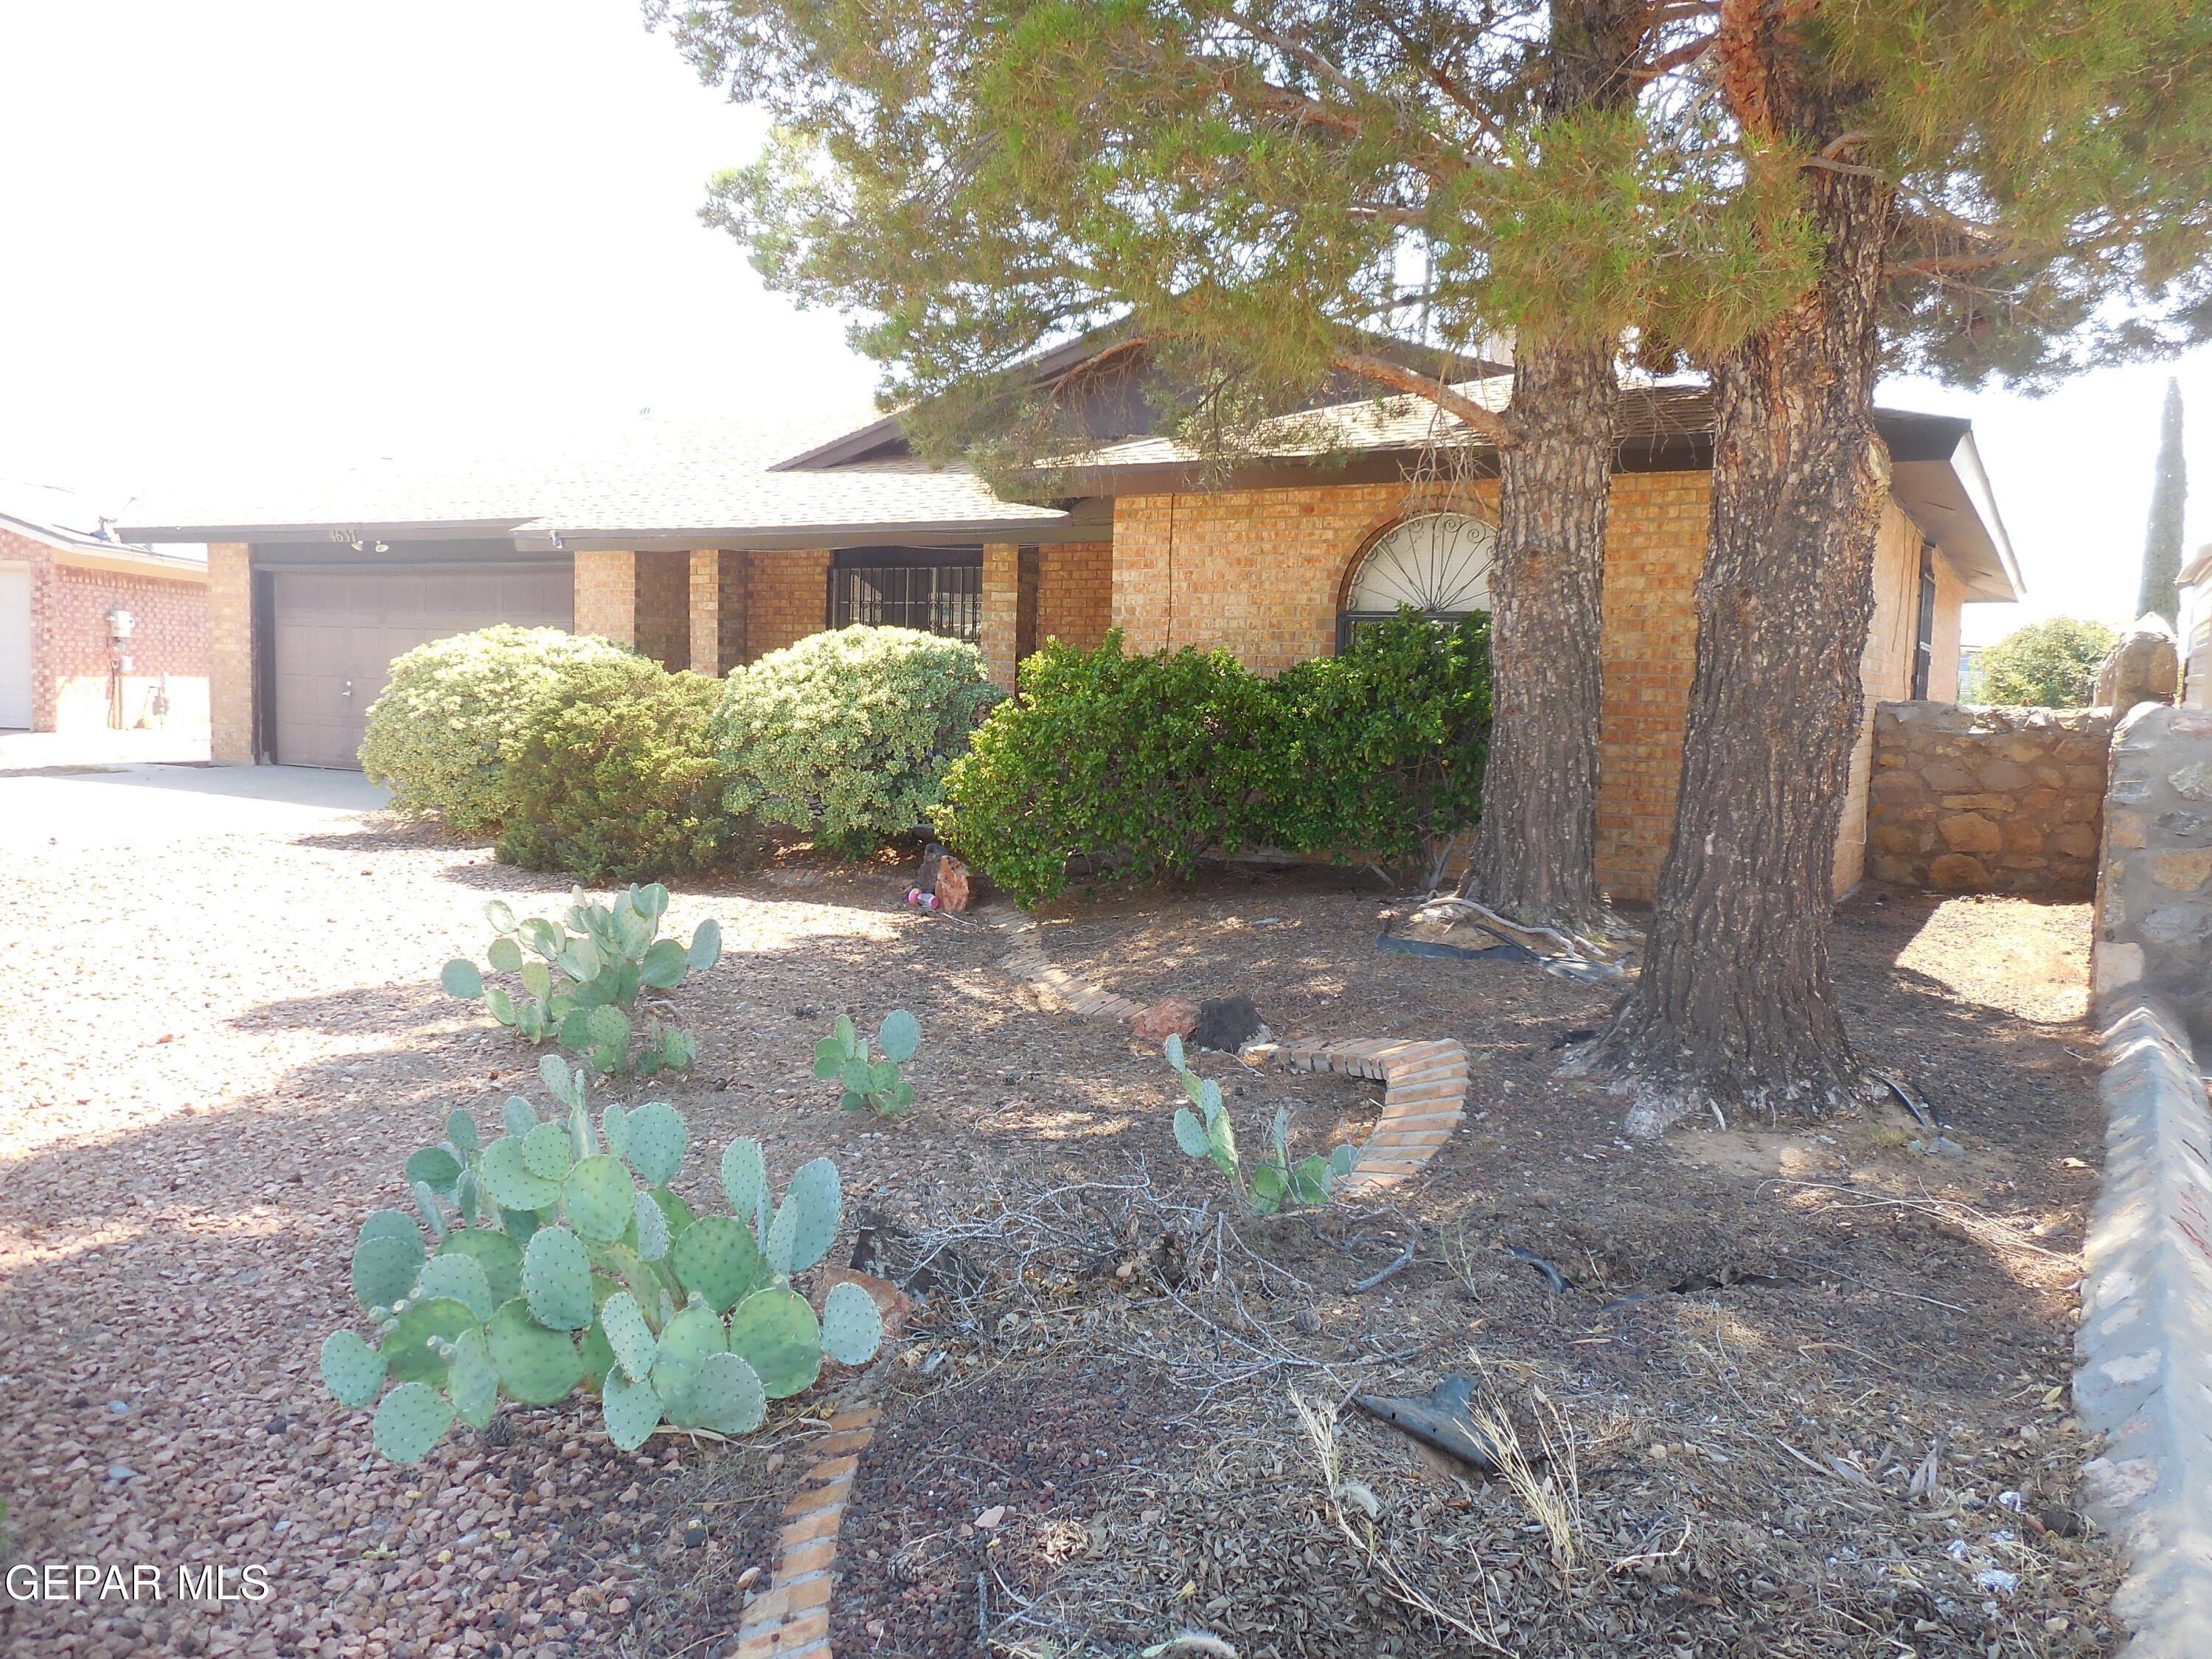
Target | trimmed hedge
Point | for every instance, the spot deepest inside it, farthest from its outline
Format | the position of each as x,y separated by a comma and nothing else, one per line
439,735
613,778
1144,763
847,736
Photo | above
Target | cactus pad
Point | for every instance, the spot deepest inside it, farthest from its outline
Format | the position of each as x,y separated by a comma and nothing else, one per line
1190,1133
677,1212
685,1342
900,1036
852,1324
505,955
461,978
411,1347
501,915
535,1365
632,1409
435,1168
463,1280
508,1178
393,1224
614,1129
410,1421
519,1225
556,1279
745,1183
663,965
629,1335
775,1332
724,1395
553,1071
600,1199
384,1268
715,1256
806,1223
548,1153
658,1139
473,1383
352,1370
518,1115
650,1227
706,946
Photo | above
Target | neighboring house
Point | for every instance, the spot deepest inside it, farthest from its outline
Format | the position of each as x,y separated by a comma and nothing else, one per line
709,547
98,634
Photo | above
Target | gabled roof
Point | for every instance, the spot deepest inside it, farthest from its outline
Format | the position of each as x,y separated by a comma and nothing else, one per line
85,550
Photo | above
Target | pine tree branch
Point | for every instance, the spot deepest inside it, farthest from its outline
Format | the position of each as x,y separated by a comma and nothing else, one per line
1668,62
1444,83
1489,424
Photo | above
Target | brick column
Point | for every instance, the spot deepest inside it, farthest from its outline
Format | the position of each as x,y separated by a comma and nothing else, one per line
606,596
231,653
1001,611
718,610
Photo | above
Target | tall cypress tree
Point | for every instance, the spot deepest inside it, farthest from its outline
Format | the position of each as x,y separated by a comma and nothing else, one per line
2161,592
1244,185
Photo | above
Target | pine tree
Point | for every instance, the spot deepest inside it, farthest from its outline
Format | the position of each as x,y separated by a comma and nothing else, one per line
1242,187
2160,593
2012,189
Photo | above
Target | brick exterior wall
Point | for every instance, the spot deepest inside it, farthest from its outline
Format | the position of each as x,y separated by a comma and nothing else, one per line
72,662
1263,572
642,600
1074,593
230,653
606,596
718,611
1001,617
788,598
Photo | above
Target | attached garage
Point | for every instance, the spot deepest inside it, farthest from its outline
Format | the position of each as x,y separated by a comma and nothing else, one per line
332,629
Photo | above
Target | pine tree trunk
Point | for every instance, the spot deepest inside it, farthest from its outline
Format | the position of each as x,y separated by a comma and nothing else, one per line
1735,1007
1535,853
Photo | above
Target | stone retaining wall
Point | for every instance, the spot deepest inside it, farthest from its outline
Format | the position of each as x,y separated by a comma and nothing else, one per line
1988,799
2154,896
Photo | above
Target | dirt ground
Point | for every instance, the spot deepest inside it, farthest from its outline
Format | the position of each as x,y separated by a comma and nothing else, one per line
220,1051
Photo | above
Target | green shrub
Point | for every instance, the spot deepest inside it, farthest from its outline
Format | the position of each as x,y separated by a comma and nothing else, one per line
1142,762
1376,755
2050,664
847,736
558,1254
613,777
439,734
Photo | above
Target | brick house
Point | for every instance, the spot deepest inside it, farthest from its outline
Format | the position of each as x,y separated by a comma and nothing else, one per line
709,546
97,633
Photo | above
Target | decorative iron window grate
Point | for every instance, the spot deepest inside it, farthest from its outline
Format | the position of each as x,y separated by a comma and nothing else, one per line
937,599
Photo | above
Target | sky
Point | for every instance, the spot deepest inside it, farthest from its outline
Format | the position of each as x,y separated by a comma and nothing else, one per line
247,238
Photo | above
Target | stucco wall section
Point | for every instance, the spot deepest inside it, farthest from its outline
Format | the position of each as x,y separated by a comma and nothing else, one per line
788,598
1075,593
1885,671
230,651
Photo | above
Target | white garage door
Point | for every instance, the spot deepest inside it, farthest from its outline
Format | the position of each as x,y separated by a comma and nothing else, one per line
14,647
337,631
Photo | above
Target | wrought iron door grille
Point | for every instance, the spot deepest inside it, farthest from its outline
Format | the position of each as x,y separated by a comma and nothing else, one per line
937,599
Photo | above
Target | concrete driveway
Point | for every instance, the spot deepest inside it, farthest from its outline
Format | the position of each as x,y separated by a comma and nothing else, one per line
157,803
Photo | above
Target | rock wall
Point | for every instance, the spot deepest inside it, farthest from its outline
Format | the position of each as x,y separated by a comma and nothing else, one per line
1988,799
2154,894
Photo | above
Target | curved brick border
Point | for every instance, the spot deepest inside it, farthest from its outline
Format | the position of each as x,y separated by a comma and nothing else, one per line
1425,1084
792,1617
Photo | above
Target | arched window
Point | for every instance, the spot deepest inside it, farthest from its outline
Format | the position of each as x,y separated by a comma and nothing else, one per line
1439,563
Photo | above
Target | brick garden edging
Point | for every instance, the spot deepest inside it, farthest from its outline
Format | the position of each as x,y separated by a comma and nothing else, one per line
791,1616
1425,1082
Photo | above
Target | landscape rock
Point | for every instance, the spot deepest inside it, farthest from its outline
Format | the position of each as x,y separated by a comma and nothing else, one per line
955,888
1168,1016
1226,1024
2145,666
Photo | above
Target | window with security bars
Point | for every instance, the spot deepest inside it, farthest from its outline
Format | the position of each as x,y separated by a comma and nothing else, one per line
937,599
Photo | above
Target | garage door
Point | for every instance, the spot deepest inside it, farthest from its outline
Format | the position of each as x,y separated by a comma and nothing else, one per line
14,647
337,631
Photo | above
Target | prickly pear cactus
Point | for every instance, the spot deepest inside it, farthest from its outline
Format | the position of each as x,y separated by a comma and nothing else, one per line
556,1254
1276,1182
577,981
869,1085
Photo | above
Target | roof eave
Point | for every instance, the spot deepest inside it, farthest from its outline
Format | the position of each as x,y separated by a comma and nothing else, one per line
1047,526
411,529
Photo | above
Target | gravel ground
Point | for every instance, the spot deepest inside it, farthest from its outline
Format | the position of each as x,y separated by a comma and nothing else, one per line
222,1046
